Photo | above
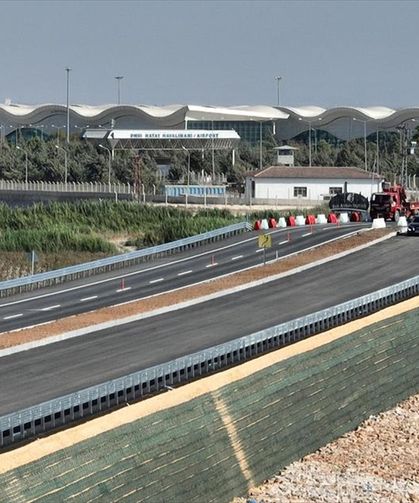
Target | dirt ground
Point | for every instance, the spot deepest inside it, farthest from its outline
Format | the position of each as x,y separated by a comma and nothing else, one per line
166,299
377,463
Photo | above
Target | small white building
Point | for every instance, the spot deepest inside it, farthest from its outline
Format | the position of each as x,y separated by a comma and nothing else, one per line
310,183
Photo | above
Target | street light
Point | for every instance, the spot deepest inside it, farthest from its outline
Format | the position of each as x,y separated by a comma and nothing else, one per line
58,131
118,79
278,79
65,162
365,142
109,164
189,164
26,162
68,70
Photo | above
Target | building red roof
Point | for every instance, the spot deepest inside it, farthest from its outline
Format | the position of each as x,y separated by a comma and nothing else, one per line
315,172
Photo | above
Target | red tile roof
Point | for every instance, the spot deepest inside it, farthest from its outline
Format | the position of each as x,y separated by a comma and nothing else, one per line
314,172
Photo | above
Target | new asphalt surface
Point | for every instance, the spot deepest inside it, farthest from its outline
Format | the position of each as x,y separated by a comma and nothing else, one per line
47,372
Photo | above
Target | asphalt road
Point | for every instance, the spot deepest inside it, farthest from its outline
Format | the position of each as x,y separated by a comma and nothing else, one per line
40,374
199,264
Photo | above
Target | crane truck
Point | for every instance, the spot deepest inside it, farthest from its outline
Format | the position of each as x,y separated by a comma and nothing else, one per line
392,203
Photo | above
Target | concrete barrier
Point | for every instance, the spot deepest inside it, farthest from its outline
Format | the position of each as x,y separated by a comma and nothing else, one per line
344,218
321,218
281,222
402,225
300,220
378,223
264,224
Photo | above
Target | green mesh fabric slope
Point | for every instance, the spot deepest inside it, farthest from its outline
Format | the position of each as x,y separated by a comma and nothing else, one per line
278,415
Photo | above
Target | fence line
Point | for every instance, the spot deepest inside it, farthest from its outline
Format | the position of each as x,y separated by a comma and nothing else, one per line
26,423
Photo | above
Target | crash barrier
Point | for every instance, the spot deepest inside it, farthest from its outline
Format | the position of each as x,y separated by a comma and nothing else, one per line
378,223
46,416
277,414
58,276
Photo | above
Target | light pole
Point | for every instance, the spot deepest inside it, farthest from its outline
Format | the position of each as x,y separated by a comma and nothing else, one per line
260,145
365,142
58,131
68,70
309,139
189,165
278,79
109,164
65,163
26,162
118,79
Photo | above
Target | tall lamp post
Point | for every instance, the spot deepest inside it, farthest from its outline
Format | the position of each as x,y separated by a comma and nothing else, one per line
58,131
26,162
65,163
118,79
68,70
278,79
365,142
109,164
189,165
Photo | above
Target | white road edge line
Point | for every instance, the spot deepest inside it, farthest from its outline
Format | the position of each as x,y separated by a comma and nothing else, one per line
88,298
13,316
184,272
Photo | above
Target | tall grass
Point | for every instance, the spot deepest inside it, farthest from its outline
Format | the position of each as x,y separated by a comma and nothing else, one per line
88,226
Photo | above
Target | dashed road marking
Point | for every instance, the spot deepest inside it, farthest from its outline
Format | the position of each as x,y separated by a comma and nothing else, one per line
306,234
123,289
184,272
283,242
13,316
156,280
85,299
260,250
237,258
212,265
49,308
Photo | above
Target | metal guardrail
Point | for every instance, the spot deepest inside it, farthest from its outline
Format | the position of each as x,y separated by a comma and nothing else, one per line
46,416
57,276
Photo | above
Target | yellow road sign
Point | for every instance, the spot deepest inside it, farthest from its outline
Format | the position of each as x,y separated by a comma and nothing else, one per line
265,241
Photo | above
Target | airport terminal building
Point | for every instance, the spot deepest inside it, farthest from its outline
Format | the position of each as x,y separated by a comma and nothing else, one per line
250,122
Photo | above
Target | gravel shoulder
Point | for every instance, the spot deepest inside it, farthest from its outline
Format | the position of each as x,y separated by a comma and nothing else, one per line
378,462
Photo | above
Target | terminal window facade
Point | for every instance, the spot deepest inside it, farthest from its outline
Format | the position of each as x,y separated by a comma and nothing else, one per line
335,190
248,131
300,191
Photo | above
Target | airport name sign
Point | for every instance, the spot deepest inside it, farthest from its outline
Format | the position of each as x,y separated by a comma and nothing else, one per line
161,134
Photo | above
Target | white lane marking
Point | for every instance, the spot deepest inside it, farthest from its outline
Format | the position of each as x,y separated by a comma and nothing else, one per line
13,316
49,308
306,234
156,280
237,258
184,272
212,265
260,250
134,273
88,298
123,289
283,242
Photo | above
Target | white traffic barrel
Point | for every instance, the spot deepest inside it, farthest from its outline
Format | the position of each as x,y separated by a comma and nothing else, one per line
378,223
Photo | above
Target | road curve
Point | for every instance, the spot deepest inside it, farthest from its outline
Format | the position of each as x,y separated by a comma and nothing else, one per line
50,371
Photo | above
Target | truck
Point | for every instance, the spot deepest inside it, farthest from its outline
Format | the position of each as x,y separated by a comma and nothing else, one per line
392,203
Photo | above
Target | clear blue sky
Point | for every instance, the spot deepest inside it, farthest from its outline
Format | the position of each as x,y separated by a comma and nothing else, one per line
211,52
